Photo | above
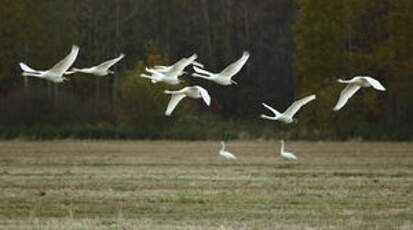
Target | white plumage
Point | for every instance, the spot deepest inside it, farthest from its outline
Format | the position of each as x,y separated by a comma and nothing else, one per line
288,115
285,154
101,69
226,154
170,74
225,76
191,91
353,86
55,74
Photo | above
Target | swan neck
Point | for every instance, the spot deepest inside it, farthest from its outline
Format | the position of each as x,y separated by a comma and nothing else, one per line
282,146
222,146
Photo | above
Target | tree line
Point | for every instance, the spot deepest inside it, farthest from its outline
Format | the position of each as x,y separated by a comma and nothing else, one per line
297,48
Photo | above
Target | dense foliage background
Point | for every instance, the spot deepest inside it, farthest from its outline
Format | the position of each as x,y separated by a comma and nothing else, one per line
297,48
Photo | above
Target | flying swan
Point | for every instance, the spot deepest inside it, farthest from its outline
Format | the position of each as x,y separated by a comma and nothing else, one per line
55,74
288,115
353,86
170,74
101,69
225,76
191,92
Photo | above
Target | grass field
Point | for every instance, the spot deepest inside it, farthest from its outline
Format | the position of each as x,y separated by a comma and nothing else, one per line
186,185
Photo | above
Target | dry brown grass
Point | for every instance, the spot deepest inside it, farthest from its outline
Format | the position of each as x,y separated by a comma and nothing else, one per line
185,185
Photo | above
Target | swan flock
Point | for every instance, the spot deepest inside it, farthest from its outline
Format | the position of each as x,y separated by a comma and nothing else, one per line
170,75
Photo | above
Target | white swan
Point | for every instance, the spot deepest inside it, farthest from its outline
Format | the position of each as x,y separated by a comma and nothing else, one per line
288,115
183,61
353,85
190,91
156,77
226,154
225,76
55,74
286,155
101,69
170,74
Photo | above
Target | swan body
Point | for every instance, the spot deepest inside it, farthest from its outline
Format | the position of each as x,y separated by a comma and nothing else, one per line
226,154
353,86
286,155
225,76
191,92
183,62
55,74
101,69
156,77
288,115
170,74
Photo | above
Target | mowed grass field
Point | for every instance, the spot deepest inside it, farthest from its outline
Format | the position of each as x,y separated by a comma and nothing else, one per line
186,185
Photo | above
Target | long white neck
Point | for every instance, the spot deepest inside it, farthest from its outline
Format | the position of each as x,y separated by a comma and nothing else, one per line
200,76
282,146
268,117
33,74
223,146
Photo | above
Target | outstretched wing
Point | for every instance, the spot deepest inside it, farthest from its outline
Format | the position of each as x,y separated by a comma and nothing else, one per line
292,110
26,68
274,111
62,66
345,94
175,99
375,84
235,67
107,64
205,95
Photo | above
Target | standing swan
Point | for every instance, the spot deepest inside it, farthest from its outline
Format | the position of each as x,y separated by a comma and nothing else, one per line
226,154
55,74
225,76
286,155
353,86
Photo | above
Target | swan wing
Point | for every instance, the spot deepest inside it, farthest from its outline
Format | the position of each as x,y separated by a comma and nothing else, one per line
235,67
345,94
26,68
62,66
375,84
107,64
274,111
205,95
175,99
294,107
179,66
